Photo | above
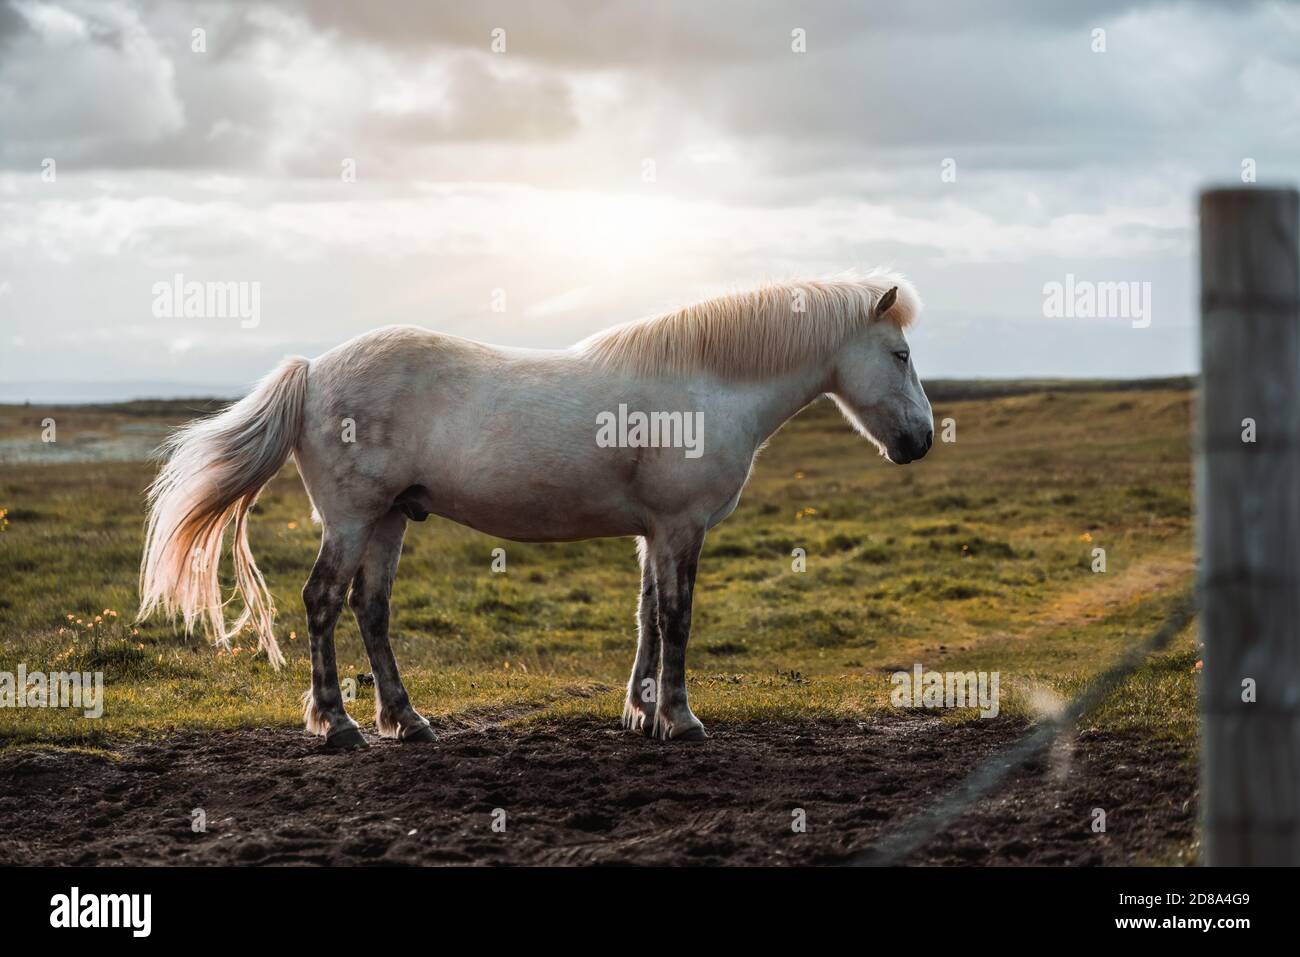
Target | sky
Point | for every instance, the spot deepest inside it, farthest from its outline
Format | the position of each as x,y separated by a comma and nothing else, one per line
526,174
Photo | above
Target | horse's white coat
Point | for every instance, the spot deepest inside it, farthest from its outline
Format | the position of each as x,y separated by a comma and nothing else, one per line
504,440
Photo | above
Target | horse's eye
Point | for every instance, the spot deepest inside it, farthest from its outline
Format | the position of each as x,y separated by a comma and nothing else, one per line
902,356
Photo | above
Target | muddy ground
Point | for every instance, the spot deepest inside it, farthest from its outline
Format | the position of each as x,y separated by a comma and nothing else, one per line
586,793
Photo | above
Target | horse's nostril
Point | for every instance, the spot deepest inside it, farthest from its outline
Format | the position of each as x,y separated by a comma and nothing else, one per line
929,439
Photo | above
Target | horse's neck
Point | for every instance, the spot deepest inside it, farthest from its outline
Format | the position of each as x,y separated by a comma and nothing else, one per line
784,396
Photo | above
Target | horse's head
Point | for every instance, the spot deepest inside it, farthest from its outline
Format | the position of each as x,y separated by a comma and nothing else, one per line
876,386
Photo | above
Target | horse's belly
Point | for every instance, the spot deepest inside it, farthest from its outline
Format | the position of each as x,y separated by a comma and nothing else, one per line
525,516
549,527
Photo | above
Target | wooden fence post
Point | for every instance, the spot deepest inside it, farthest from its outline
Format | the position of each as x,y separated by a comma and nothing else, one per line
1248,525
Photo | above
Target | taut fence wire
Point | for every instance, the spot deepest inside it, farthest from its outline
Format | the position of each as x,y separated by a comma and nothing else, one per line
922,828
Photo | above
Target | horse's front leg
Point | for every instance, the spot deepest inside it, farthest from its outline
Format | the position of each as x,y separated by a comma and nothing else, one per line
675,563
643,686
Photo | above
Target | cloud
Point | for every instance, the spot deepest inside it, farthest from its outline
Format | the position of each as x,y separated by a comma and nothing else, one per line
617,159
467,100
80,79
597,34
289,91
98,86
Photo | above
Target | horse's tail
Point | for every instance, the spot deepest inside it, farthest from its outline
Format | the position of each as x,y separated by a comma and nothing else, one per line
214,471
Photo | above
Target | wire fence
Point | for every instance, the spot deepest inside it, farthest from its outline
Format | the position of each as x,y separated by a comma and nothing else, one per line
919,830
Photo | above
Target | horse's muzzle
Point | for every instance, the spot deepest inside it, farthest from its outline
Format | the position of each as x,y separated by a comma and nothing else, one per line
910,448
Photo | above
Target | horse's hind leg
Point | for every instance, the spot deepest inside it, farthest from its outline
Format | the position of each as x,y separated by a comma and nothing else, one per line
643,686
371,589
341,549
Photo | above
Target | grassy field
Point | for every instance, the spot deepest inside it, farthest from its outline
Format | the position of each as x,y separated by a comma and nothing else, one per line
977,558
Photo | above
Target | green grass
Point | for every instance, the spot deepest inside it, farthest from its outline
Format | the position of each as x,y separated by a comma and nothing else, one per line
977,558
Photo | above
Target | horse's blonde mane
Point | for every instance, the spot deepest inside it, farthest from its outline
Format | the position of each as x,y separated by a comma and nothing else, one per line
755,332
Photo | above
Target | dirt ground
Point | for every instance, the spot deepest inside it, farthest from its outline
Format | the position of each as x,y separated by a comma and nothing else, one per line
587,793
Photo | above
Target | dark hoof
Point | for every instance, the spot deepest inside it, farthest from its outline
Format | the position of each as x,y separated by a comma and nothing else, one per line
347,739
422,735
694,734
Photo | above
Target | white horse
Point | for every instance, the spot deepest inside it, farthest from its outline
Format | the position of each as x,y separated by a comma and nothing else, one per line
530,445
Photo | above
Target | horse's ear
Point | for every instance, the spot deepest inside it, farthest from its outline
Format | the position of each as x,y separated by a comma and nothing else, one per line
886,302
